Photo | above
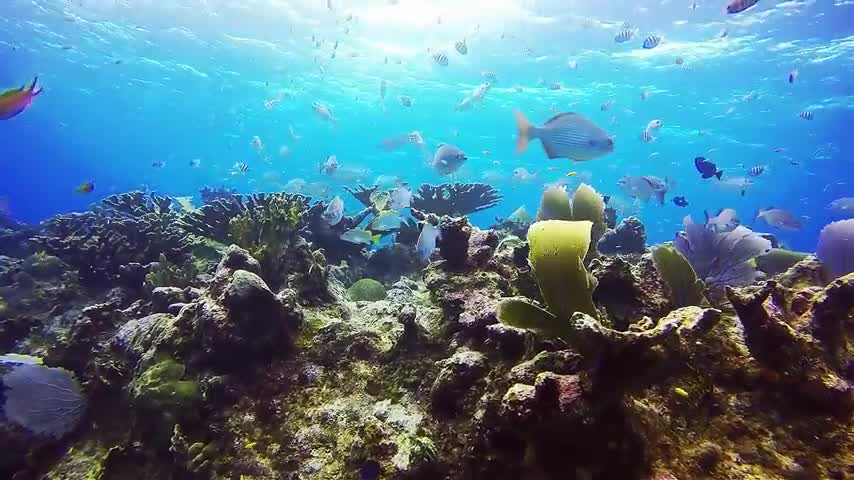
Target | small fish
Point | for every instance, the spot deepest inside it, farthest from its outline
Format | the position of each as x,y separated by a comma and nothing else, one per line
527,51
646,136
654,125
257,144
489,75
565,135
158,164
779,218
723,34
793,75
756,171
405,100
386,221
284,152
736,6
555,86
651,41
85,187
330,165
842,205
196,162
383,88
625,34
681,392
680,201
644,188
324,113
400,198
806,115
427,241
679,61
522,175
606,106
239,168
571,174
572,64
448,159
360,237
724,221
16,100
645,94
293,133
780,150
707,169
334,212
461,47
737,184
250,445
440,59
272,103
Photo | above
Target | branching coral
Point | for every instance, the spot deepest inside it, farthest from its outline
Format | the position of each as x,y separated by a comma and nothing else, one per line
455,199
129,228
210,194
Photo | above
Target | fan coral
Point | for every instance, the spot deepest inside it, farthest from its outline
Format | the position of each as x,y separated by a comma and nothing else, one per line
44,400
455,199
721,258
836,247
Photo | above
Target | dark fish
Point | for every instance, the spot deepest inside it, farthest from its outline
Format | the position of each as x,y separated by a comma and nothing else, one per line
806,115
461,47
606,199
680,201
756,171
651,41
736,6
707,169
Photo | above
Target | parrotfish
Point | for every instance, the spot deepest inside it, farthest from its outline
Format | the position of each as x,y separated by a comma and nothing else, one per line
16,100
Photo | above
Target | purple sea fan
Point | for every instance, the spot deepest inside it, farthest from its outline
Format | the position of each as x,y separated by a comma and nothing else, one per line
721,258
835,247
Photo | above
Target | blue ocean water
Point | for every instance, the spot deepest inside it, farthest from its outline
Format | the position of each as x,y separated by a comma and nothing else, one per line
129,84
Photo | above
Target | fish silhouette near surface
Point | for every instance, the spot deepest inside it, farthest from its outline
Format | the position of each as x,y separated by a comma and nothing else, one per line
16,100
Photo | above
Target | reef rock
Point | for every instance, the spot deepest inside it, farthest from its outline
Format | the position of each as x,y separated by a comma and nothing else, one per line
628,237
458,373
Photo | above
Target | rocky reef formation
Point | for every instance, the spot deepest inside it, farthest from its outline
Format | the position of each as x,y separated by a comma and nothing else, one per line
504,359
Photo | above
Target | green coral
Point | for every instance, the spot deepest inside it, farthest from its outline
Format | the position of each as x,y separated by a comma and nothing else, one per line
685,288
42,265
556,254
168,274
160,387
366,289
4,307
778,260
555,205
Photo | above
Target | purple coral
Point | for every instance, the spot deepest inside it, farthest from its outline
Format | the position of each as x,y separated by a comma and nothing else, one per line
835,247
721,258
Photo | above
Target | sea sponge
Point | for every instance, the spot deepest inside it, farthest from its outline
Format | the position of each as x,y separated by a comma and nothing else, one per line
778,260
366,289
557,251
685,288
557,256
555,205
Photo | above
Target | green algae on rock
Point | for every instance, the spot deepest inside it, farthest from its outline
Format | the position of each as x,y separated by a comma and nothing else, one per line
366,290
685,288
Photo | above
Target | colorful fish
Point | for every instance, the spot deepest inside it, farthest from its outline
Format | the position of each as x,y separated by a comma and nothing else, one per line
85,187
16,100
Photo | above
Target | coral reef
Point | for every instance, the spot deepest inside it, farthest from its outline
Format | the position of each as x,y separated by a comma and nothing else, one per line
504,359
455,199
628,237
123,229
211,194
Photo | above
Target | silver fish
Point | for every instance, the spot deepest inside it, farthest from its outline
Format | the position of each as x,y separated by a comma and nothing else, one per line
386,221
644,188
807,115
400,198
842,205
724,221
334,211
324,113
405,100
461,47
625,34
448,159
427,241
566,135
440,59
330,166
522,175
645,136
779,218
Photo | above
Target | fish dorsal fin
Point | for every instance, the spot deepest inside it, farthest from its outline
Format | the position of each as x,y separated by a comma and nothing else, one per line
558,117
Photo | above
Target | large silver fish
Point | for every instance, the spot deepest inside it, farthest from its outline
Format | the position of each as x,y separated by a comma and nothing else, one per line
334,211
448,159
779,218
643,188
427,241
566,135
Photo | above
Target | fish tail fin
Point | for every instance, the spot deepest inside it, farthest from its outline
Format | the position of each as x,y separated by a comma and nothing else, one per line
33,85
523,126
660,197
756,214
719,174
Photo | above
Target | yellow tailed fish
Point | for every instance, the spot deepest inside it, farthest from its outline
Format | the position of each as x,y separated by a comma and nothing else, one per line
16,100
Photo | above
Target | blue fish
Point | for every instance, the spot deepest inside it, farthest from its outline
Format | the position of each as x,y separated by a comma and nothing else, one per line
651,41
